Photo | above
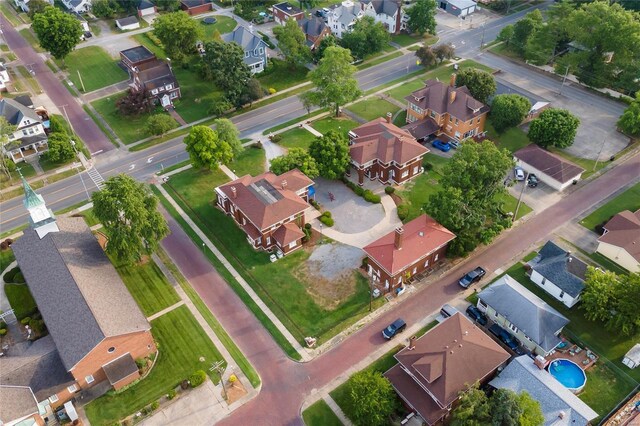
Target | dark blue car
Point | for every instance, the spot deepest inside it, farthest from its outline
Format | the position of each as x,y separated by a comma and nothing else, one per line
442,146
505,337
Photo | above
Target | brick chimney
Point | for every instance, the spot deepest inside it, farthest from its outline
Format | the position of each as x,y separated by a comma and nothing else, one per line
398,238
412,343
452,96
284,184
452,80
389,115
233,192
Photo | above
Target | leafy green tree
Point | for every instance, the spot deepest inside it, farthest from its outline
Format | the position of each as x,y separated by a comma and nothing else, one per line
308,4
292,43
597,299
331,152
427,56
333,80
522,31
253,91
356,42
229,133
159,124
506,34
103,8
508,111
473,408
206,149
224,63
531,410
372,397
296,158
128,211
480,83
367,37
627,300
60,148
126,6
37,6
444,51
6,164
57,32
422,17
168,5
178,34
505,408
629,121
554,127
328,41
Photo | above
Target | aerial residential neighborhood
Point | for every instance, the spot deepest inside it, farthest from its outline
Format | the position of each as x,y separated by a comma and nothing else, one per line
360,212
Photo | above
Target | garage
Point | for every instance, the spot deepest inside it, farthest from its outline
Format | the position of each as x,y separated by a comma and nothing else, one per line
550,168
458,7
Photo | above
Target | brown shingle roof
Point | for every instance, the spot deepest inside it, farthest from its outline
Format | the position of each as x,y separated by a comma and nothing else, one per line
264,200
445,361
421,236
623,230
120,368
157,75
548,163
385,142
287,233
422,128
436,95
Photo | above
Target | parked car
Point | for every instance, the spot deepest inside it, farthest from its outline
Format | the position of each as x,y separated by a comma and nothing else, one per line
504,336
454,143
475,314
448,311
319,13
472,277
532,180
442,146
394,328
518,172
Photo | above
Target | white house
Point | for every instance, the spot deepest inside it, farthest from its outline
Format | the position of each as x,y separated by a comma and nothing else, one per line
551,169
621,240
632,358
78,6
4,78
387,12
24,4
558,273
342,18
128,23
146,8
29,137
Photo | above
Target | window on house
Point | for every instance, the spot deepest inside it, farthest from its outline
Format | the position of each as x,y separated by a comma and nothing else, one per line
169,86
544,280
293,244
268,240
405,173
246,54
415,169
244,221
482,304
24,132
426,263
414,270
432,114
478,120
261,50
31,131
173,95
154,92
73,388
513,328
435,258
89,379
561,294
53,398
456,121
161,89
450,119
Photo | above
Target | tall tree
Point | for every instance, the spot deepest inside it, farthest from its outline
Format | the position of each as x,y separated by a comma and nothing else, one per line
627,300
178,34
366,37
372,397
333,80
292,43
224,63
508,110
103,8
37,6
127,209
60,148
599,294
505,408
422,17
554,127
229,133
159,124
426,55
506,34
57,32
524,28
206,149
531,410
444,51
480,83
473,408
133,103
629,121
296,158
328,41
6,164
331,152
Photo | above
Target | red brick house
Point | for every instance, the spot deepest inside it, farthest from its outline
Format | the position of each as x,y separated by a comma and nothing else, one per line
283,11
439,109
433,370
409,250
269,208
314,30
381,150
196,7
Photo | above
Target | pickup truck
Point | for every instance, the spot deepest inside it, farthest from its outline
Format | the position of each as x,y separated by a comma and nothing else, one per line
504,336
471,277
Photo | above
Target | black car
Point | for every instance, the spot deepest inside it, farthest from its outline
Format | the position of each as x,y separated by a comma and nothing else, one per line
504,337
476,315
394,328
319,13
471,277
532,180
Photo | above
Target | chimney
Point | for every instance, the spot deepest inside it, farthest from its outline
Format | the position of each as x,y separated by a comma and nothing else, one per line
570,258
233,192
561,414
452,96
398,238
389,115
540,362
412,343
284,184
452,81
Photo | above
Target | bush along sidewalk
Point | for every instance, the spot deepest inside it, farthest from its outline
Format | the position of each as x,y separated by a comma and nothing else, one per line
360,191
326,218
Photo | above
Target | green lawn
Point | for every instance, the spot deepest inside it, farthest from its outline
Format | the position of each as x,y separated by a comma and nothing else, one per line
279,75
331,123
509,202
224,25
319,414
628,200
250,161
401,119
373,108
405,40
89,217
144,39
589,166
8,12
21,300
296,138
197,95
512,139
6,257
181,342
405,89
96,67
27,171
128,128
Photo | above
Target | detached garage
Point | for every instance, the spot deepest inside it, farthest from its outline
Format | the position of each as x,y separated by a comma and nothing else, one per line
458,7
128,23
550,168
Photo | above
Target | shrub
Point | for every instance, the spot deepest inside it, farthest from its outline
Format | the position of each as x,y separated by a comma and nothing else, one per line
197,378
155,405
427,166
307,226
141,362
403,211
37,326
171,394
19,278
3,331
3,324
25,320
365,262
272,90
359,191
371,197
326,220
256,145
10,275
3,246
327,214
275,138
389,190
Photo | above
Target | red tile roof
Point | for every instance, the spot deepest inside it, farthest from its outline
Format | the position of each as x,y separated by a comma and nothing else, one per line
623,230
421,236
385,142
287,233
548,163
436,96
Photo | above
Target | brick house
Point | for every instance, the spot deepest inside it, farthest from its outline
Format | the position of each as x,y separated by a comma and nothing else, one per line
314,30
283,11
96,329
381,150
196,7
440,109
268,208
409,250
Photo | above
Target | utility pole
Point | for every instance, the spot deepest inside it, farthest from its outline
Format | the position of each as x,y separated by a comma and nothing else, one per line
599,152
482,39
218,368
524,184
566,73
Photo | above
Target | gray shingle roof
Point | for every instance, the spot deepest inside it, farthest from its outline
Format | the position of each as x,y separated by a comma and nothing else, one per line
555,400
559,267
244,38
388,7
78,291
532,315
127,21
312,26
14,111
16,402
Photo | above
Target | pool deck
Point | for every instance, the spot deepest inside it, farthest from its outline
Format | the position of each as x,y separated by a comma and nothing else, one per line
581,358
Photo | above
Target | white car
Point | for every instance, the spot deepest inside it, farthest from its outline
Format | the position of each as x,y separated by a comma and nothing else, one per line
518,172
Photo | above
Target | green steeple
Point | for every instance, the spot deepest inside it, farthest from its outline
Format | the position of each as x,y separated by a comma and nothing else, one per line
31,199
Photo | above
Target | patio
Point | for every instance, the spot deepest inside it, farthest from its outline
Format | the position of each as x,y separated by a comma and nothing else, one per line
581,356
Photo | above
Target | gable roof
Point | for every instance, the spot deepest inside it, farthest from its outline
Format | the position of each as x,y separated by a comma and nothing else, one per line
244,38
634,353
436,96
345,14
312,27
264,200
532,315
387,7
145,4
560,407
158,74
16,402
287,233
548,163
14,112
129,20
560,268
447,360
420,237
78,291
384,142
287,8
623,230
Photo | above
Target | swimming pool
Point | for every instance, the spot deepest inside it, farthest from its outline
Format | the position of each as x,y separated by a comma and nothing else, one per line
568,373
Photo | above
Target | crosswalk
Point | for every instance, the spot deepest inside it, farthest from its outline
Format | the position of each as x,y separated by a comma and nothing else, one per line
96,177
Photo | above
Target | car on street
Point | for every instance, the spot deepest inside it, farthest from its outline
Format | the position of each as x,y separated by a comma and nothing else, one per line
518,172
442,146
472,277
504,336
476,315
532,180
394,328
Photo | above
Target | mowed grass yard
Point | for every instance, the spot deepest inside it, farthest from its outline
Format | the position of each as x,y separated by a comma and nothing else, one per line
628,200
279,75
20,299
197,95
96,67
251,161
512,139
342,125
319,414
302,138
181,343
224,25
373,108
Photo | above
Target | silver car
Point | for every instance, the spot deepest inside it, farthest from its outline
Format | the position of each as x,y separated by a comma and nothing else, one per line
518,172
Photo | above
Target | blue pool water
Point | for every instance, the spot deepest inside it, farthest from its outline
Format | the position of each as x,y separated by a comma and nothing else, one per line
568,373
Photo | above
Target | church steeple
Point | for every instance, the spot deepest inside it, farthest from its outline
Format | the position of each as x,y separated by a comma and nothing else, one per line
42,219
